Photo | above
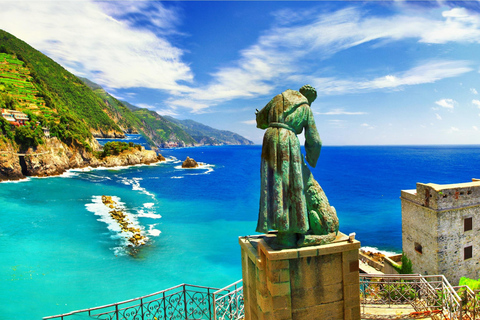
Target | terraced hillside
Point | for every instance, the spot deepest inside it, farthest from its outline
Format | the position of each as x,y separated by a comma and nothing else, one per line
61,91
17,87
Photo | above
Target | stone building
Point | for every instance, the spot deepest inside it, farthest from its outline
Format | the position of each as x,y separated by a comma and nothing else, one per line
440,229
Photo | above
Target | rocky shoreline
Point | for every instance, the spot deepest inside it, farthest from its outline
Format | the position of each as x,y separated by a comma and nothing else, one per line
134,235
54,158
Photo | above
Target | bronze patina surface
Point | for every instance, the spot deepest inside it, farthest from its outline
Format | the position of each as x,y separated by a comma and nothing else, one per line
291,200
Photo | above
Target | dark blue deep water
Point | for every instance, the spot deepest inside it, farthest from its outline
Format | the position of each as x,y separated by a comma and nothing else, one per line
59,252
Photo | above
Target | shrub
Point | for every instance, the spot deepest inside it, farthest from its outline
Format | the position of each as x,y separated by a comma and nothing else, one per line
406,267
27,137
114,148
400,291
471,283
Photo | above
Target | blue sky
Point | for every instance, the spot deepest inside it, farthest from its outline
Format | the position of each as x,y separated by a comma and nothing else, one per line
386,73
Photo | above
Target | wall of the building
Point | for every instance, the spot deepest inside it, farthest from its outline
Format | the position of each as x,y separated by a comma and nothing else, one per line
419,225
433,215
452,241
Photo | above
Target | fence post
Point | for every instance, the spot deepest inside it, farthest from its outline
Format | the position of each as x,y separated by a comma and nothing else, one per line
116,310
185,301
214,306
141,307
229,304
209,305
164,307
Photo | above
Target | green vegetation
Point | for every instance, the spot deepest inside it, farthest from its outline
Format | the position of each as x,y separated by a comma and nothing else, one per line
406,267
28,136
162,129
72,108
6,130
208,135
30,81
400,291
471,283
114,148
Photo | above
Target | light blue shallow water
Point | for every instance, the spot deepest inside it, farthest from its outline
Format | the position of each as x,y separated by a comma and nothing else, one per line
58,255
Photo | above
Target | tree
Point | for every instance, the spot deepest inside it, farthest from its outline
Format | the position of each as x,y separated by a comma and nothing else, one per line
406,267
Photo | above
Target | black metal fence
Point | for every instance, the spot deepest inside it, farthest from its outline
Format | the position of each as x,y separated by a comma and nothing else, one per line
182,302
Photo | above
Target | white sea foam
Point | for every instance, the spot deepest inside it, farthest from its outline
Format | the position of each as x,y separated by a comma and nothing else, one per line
171,159
152,231
201,166
374,249
143,214
135,183
84,169
148,205
176,177
17,181
103,211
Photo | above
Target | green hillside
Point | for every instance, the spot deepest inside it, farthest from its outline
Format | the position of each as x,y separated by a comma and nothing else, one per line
163,131
76,109
156,130
116,109
207,135
33,83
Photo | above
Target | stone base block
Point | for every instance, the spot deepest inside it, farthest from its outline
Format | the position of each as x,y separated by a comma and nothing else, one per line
318,282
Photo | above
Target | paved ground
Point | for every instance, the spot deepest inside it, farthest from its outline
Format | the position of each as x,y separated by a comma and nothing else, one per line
389,313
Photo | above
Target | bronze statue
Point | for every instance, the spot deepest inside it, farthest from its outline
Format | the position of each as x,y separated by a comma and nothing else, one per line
291,201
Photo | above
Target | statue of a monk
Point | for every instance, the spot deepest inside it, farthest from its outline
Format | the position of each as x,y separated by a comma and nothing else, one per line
291,201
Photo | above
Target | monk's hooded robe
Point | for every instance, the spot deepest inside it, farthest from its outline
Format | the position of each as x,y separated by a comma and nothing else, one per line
283,204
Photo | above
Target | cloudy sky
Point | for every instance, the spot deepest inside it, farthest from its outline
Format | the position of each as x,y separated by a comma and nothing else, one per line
386,72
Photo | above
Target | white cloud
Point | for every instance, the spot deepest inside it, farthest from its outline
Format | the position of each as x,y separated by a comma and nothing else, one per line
428,72
475,128
473,90
438,116
277,53
476,103
85,38
453,129
341,112
250,122
447,103
161,111
99,40
336,123
366,125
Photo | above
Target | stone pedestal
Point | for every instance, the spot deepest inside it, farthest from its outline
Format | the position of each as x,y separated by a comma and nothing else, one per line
318,282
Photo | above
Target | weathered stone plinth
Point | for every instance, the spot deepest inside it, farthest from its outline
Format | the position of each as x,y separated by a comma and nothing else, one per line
318,282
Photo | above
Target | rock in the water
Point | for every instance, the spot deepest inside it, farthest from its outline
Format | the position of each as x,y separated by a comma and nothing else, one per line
189,163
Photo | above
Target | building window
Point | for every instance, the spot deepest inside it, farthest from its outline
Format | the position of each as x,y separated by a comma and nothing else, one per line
418,247
467,252
467,224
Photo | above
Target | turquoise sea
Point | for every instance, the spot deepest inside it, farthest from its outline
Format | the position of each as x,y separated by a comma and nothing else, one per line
60,252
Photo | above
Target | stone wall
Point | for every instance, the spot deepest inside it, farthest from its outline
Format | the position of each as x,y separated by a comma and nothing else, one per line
433,216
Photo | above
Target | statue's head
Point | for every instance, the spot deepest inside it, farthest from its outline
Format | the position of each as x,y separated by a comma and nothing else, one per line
308,92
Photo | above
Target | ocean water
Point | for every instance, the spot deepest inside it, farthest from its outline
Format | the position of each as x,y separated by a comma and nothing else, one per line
60,251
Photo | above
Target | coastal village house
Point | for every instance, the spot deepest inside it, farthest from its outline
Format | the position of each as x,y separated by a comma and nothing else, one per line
440,229
16,118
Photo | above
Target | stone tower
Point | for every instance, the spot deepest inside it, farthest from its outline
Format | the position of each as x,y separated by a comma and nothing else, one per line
440,229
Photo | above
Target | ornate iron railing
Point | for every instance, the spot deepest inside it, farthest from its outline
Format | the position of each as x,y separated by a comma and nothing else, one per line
432,294
180,302
470,303
428,294
228,302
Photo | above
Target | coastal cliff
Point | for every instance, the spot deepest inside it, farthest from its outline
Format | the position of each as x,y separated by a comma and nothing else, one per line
54,157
